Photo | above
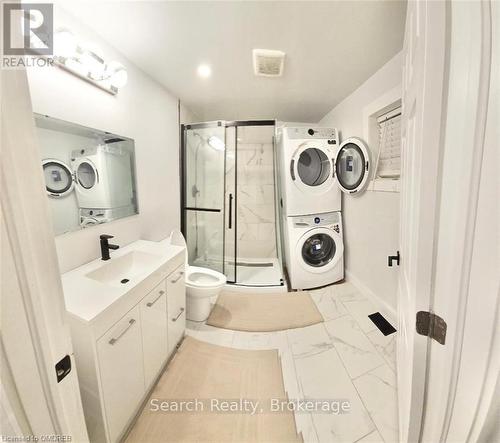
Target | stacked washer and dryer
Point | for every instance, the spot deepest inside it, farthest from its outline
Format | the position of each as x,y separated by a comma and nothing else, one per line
101,175
314,169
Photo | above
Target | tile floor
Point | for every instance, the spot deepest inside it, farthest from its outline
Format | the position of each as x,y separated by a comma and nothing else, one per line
344,358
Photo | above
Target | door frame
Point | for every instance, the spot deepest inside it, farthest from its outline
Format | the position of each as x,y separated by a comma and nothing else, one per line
439,383
35,297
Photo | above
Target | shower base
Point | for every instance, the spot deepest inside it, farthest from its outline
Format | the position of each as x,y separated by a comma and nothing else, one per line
251,273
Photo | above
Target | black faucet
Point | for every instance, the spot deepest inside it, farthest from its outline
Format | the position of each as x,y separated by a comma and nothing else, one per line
105,246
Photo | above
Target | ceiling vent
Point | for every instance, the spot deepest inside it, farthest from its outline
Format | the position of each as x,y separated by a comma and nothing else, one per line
268,63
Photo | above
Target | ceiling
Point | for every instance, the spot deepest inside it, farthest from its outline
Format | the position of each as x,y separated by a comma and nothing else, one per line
331,48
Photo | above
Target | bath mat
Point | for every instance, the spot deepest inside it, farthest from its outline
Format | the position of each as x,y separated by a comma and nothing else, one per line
257,312
206,379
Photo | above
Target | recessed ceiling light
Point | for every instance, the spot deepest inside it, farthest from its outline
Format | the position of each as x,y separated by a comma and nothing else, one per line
204,71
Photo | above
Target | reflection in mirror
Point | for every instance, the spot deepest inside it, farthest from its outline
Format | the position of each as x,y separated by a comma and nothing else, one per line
89,174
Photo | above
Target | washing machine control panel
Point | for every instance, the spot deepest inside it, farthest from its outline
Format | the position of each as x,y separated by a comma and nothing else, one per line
305,133
331,218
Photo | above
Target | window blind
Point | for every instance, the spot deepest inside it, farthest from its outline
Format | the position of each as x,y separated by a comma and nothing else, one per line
389,135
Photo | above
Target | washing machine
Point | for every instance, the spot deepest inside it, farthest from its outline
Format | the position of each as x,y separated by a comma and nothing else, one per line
95,216
315,168
103,176
314,250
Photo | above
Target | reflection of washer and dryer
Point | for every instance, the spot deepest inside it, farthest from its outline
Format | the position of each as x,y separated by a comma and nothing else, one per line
315,168
102,178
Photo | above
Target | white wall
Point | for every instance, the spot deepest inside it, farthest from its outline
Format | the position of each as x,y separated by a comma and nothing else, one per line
371,220
144,111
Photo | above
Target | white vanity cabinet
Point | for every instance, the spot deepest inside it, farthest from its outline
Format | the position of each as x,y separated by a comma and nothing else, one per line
154,331
176,308
123,337
121,368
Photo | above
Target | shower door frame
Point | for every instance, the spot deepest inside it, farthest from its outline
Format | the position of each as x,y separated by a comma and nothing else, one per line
183,174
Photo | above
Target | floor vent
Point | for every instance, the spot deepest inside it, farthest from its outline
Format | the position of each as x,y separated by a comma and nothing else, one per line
382,324
268,62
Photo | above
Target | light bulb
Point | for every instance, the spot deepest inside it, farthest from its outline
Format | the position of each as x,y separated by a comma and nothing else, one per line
91,58
216,143
117,74
65,43
204,71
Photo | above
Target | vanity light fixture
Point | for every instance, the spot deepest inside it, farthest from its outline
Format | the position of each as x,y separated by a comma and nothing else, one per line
204,71
87,62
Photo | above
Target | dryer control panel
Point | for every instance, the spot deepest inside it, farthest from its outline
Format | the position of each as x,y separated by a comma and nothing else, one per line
304,133
303,221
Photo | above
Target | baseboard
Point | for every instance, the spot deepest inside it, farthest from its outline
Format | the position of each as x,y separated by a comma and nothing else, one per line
388,310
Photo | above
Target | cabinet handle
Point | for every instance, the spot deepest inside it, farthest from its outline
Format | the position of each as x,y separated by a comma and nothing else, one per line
114,340
178,278
151,303
178,315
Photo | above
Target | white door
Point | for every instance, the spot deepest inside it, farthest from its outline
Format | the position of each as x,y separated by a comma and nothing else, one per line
35,335
352,165
423,80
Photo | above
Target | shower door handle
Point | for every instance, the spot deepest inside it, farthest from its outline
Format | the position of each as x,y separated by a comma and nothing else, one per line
230,223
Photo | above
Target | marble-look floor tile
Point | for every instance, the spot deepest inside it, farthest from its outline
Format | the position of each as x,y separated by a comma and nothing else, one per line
360,309
309,340
259,340
209,334
385,345
345,291
329,306
357,352
378,390
323,377
372,437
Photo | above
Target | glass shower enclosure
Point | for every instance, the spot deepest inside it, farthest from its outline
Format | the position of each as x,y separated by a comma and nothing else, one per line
229,200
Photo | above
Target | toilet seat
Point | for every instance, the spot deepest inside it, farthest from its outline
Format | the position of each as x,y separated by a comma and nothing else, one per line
204,278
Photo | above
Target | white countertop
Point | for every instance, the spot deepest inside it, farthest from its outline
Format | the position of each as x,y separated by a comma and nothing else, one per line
86,298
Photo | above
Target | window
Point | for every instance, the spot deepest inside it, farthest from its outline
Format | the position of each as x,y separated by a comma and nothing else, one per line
389,142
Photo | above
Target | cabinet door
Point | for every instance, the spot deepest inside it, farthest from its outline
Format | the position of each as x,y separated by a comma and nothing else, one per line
122,373
176,301
154,331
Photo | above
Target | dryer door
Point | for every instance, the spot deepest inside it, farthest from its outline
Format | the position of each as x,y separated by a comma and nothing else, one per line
319,250
86,174
58,178
352,165
311,167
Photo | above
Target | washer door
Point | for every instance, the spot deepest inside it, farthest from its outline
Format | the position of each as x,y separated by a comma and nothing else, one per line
311,167
85,173
58,178
319,250
87,222
352,165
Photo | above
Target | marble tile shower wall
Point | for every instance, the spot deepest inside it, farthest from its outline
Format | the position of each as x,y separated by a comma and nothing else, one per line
255,190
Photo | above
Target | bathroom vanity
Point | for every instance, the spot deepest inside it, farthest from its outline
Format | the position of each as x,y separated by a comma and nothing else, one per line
127,316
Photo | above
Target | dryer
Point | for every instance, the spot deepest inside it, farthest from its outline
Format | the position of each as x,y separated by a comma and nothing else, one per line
315,168
315,250
103,176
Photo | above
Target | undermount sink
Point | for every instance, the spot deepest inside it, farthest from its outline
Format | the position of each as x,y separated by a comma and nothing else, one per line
121,270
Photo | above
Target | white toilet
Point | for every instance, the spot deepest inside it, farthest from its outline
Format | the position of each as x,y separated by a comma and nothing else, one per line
201,285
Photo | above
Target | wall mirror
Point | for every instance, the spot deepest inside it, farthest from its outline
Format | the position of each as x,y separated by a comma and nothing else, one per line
89,174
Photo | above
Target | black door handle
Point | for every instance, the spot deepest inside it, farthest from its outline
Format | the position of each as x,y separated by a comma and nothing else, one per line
230,223
392,258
